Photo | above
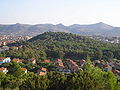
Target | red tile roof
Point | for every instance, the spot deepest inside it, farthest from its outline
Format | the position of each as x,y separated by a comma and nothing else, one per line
59,60
2,68
2,58
43,69
17,60
46,61
41,73
105,65
23,69
14,47
59,63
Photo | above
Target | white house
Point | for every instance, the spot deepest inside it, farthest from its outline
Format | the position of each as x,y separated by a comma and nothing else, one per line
4,60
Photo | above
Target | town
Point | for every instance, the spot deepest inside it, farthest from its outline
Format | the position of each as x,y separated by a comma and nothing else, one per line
4,39
106,39
8,39
41,67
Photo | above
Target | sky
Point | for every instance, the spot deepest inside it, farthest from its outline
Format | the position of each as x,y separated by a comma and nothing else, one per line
67,12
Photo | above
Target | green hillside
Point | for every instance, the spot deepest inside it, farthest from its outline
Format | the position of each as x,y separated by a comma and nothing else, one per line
66,45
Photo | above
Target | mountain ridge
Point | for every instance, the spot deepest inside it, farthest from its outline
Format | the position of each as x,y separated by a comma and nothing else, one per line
85,30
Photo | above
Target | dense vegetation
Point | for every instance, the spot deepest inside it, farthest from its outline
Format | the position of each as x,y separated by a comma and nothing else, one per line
64,45
53,45
92,78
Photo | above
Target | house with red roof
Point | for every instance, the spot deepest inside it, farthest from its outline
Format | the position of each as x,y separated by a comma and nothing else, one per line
106,67
24,69
117,65
110,62
42,71
116,72
17,60
46,61
73,65
4,70
59,64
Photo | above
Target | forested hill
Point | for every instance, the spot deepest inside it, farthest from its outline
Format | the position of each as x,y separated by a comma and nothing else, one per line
60,44
51,45
64,45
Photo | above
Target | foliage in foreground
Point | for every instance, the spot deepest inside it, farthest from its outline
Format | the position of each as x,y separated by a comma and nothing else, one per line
92,78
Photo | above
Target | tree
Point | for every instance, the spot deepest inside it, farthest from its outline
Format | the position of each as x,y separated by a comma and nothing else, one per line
57,81
34,82
15,69
61,54
108,54
98,54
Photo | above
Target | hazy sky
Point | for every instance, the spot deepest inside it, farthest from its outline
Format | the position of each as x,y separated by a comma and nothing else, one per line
60,11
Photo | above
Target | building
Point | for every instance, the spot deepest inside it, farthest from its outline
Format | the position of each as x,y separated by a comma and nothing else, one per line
46,61
24,69
59,64
32,61
73,65
116,72
97,63
4,70
3,43
14,48
42,71
116,66
82,62
5,48
4,60
106,67
17,60
110,62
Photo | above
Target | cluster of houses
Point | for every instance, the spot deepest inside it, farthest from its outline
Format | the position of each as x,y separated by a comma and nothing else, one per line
4,47
9,38
66,66
42,71
74,66
110,65
4,40
106,39
8,60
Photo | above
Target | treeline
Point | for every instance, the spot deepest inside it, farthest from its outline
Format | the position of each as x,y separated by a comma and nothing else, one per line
64,45
91,78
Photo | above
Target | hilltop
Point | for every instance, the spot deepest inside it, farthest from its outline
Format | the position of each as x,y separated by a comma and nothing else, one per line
65,45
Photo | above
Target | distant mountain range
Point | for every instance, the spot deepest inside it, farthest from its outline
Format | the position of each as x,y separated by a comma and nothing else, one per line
86,30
